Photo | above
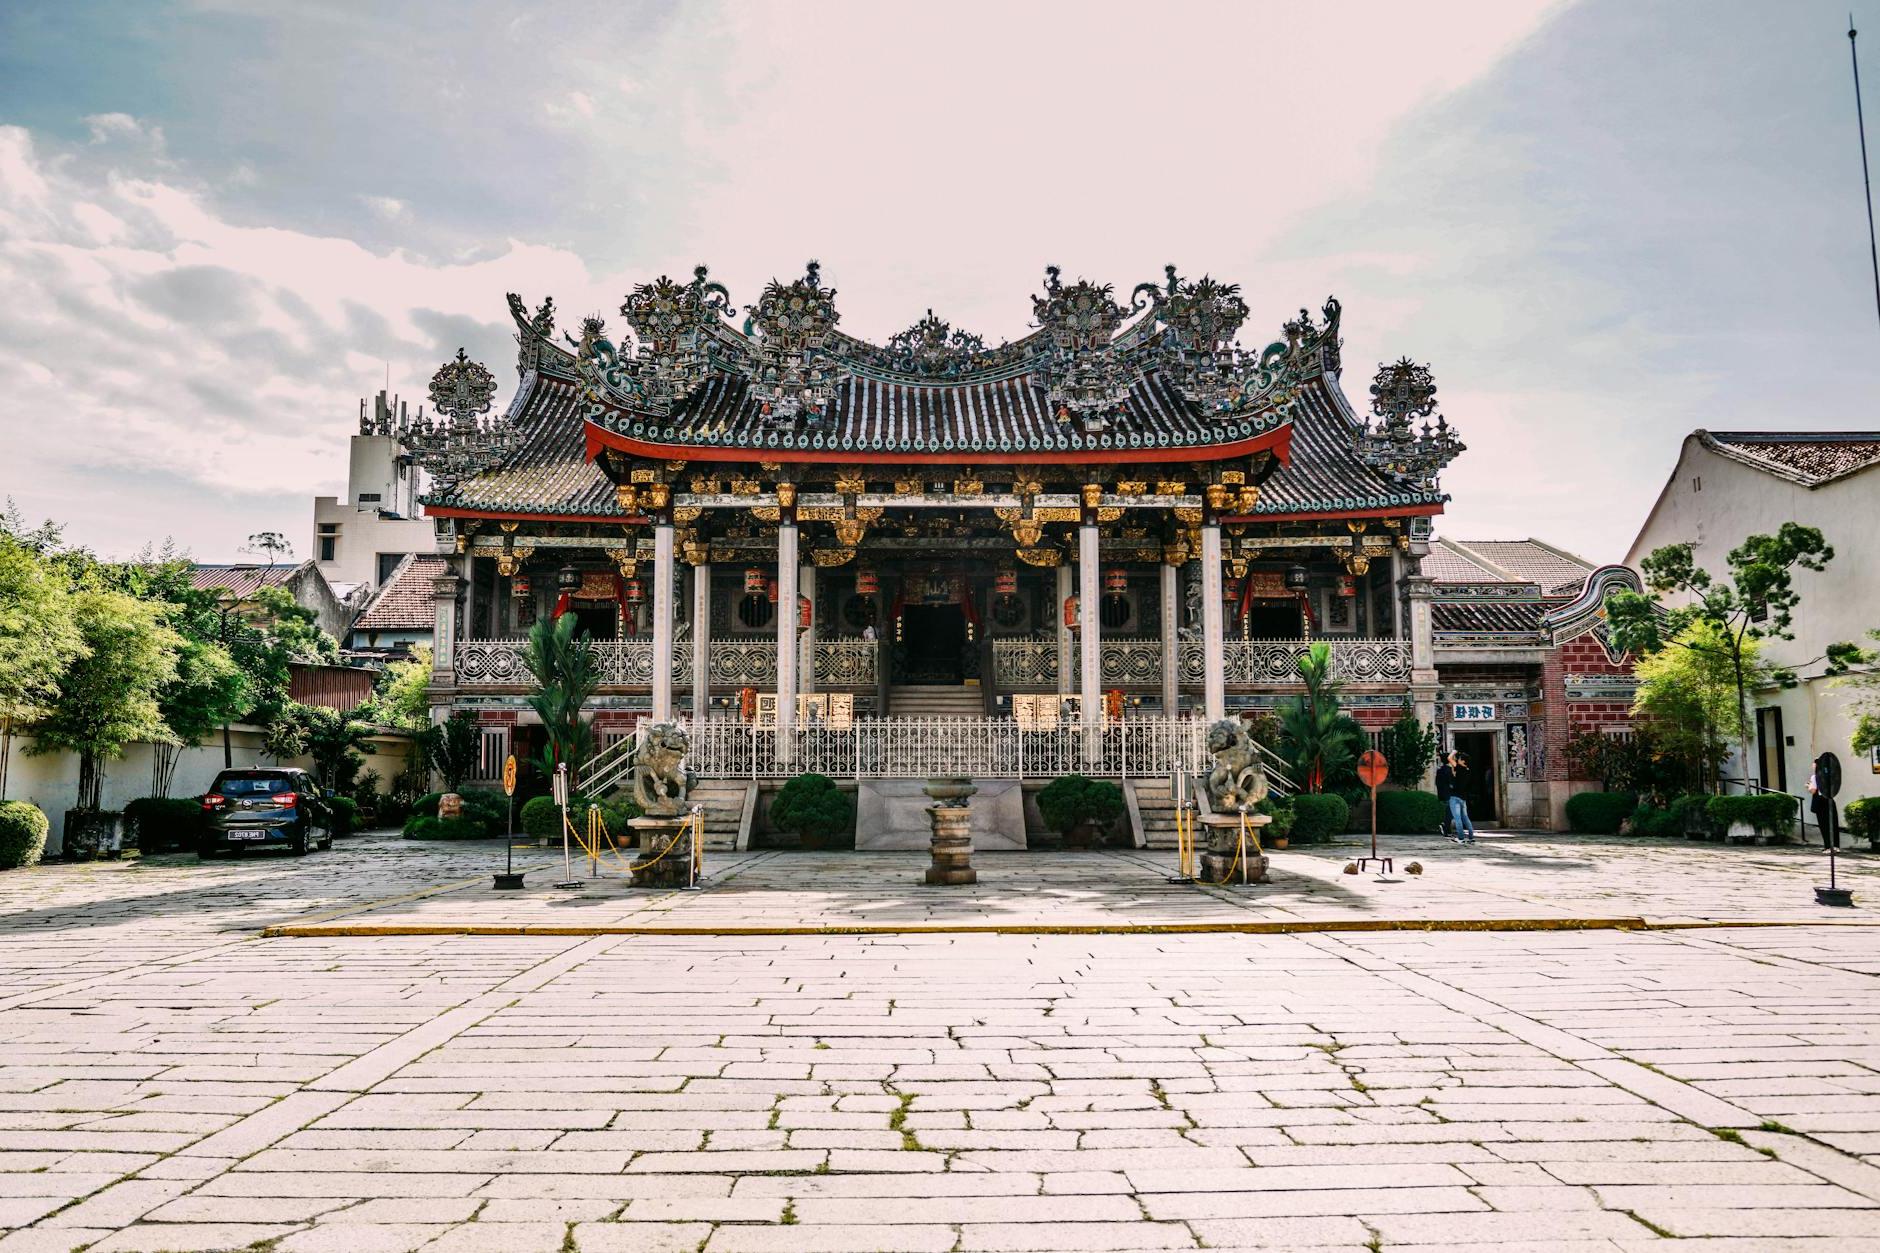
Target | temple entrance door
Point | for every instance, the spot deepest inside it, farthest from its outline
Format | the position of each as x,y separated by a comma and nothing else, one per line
1275,620
933,641
1479,784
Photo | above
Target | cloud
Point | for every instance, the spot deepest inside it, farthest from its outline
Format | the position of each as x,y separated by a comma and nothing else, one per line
387,208
148,342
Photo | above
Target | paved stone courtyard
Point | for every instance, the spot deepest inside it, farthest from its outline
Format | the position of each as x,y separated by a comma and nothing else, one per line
170,1079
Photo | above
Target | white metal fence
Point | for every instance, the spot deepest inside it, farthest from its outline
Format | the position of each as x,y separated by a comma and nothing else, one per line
984,748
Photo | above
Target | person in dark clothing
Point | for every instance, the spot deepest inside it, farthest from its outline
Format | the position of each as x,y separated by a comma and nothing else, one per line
1451,779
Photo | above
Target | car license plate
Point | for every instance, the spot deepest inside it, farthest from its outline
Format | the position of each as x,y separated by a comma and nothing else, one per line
247,835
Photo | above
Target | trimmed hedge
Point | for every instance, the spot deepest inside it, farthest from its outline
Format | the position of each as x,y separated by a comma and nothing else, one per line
420,827
486,810
814,807
540,816
1410,813
345,815
23,830
1861,819
158,824
1072,800
1318,816
1673,820
1599,813
1769,814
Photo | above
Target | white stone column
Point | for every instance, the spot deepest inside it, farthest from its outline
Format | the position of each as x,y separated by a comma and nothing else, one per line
1090,643
1171,633
701,640
1213,654
1065,653
662,621
444,630
1423,684
470,596
786,635
806,644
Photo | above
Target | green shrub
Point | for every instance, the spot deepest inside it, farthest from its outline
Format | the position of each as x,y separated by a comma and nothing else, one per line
1410,813
540,817
389,811
1599,813
1769,814
23,829
1861,819
487,811
157,824
345,814
420,827
812,806
1318,816
1068,802
1280,810
1672,820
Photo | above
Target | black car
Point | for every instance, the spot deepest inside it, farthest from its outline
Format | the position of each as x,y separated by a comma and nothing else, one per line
264,807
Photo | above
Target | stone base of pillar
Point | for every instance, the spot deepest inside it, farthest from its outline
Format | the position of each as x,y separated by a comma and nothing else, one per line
952,845
665,859
1224,861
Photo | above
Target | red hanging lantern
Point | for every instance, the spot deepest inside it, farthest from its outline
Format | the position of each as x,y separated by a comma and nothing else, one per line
867,583
753,581
1005,582
805,612
1115,581
519,587
1070,612
635,591
770,590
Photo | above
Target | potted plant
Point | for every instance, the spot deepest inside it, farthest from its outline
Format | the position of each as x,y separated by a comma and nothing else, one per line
1080,809
814,808
1277,833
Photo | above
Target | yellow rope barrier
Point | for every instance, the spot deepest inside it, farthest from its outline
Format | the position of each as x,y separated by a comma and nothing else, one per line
691,831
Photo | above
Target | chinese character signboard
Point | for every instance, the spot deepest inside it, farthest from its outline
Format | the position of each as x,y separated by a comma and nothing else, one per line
1472,713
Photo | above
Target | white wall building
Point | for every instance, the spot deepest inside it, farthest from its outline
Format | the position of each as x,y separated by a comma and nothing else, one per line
1729,485
359,539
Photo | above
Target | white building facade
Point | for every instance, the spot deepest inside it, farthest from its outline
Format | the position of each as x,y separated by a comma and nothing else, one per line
1729,485
360,539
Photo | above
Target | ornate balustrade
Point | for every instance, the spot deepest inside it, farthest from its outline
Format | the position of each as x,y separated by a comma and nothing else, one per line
1128,661
1275,663
629,663
983,748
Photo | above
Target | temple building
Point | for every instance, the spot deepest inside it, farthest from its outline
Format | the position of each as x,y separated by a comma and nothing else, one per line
930,555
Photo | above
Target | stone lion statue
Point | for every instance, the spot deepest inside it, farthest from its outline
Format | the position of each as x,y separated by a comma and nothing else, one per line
660,784
1237,777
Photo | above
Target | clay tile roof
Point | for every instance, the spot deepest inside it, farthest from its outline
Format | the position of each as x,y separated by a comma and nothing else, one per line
241,581
1808,457
1448,564
1530,561
407,601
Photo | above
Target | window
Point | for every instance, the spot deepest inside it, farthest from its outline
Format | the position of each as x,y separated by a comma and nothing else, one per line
370,498
327,541
1697,483
388,562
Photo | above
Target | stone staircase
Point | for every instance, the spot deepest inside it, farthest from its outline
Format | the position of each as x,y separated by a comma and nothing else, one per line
726,802
1155,811
936,702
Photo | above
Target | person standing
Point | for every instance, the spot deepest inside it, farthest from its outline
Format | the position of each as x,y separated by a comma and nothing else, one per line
1449,789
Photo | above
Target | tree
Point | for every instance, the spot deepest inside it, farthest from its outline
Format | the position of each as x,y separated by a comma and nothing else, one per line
328,736
403,699
37,638
209,691
1859,669
1756,603
108,696
1409,746
454,747
1320,742
567,674
1688,695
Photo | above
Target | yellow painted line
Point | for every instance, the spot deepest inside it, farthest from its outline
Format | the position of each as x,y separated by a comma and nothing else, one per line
437,890
1264,927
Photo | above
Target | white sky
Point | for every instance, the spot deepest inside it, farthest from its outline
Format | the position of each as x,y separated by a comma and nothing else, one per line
1602,224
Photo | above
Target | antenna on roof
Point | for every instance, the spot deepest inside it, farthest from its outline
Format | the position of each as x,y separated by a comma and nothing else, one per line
1873,252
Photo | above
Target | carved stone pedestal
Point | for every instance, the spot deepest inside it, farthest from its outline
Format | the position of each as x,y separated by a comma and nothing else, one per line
665,859
1223,860
952,846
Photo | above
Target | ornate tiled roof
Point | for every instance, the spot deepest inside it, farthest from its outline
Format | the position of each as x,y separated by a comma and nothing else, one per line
407,602
1486,617
1159,380
1808,457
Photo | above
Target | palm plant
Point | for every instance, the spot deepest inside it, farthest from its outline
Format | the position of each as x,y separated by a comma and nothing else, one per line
567,673
1319,741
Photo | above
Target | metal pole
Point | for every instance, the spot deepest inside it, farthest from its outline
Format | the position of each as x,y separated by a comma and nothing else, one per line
1866,179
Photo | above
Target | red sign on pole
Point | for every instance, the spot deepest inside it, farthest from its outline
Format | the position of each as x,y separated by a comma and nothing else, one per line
1373,769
